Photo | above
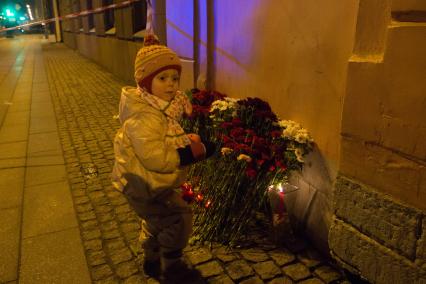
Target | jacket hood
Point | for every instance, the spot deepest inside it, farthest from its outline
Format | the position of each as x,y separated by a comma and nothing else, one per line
130,103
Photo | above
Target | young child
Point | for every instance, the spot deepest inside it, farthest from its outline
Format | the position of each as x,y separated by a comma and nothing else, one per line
152,152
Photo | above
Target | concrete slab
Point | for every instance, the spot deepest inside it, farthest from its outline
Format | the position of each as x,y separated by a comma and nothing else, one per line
11,187
23,88
16,118
45,160
13,150
12,163
9,243
54,258
42,124
21,99
42,109
14,133
44,142
18,108
40,96
40,86
47,208
45,175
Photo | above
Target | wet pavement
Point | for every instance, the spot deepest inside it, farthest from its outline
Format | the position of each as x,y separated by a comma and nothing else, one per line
63,219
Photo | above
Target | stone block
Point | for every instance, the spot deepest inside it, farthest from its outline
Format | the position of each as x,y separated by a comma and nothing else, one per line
390,223
11,187
47,208
239,269
373,261
254,255
13,133
13,150
209,269
45,174
267,269
199,256
44,143
54,258
297,271
9,244
384,169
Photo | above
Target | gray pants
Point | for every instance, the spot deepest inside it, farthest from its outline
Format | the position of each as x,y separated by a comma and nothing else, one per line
166,223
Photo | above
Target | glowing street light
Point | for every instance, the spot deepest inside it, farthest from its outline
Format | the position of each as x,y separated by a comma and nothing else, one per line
30,14
9,13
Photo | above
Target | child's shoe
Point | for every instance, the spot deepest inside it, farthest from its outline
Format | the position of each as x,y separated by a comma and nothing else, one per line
179,273
152,268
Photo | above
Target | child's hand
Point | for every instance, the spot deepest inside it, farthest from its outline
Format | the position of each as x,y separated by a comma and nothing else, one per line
195,138
198,150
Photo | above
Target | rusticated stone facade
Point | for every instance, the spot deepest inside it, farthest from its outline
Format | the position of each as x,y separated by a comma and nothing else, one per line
377,237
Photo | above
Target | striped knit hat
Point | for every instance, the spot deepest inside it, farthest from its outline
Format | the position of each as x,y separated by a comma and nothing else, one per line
152,59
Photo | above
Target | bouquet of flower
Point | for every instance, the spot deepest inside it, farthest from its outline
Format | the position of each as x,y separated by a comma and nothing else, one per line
256,151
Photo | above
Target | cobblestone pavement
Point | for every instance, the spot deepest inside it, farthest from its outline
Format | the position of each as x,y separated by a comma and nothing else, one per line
86,98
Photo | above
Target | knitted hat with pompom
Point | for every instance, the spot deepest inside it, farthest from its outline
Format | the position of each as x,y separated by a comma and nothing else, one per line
152,59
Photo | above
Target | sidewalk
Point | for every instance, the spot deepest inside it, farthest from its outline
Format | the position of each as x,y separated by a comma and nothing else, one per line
39,237
64,221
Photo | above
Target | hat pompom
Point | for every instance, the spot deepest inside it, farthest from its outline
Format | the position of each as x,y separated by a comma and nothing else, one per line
151,39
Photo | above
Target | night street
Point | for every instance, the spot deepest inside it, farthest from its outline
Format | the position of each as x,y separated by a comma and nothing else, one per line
62,220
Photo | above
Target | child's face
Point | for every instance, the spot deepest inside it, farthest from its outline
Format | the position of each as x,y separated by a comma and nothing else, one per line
165,84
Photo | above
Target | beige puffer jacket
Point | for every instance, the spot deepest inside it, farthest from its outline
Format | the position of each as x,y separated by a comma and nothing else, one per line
141,155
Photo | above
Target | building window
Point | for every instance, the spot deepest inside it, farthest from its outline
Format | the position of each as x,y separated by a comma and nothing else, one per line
90,16
109,18
139,15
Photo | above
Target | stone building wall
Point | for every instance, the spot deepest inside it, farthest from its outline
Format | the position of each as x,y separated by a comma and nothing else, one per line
379,200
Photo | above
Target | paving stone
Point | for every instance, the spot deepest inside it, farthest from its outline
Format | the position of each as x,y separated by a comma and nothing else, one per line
106,216
102,209
312,281
90,224
281,280
310,258
224,254
96,257
267,269
81,200
282,256
297,271
130,227
135,279
114,244
126,269
83,208
78,192
209,269
327,274
131,236
238,269
226,257
122,209
199,256
221,279
252,280
101,272
109,280
254,255
121,255
91,234
109,226
90,215
93,244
